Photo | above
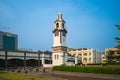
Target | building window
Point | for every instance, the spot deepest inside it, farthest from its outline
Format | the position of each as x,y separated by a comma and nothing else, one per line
89,59
79,55
57,25
89,54
103,57
63,25
85,60
57,56
9,43
85,54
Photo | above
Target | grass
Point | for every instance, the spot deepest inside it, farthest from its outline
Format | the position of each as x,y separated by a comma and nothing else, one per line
16,76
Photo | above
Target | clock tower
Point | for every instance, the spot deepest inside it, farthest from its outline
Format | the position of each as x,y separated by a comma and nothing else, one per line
59,41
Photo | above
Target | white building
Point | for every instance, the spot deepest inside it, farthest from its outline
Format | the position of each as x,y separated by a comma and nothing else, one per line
88,55
59,55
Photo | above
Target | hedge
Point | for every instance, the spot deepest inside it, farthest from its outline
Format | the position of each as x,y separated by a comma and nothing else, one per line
99,70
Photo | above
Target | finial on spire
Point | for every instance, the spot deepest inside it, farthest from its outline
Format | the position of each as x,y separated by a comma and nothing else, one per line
59,15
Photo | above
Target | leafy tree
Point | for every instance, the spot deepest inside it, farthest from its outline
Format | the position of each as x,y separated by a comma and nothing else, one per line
113,56
118,46
110,56
118,38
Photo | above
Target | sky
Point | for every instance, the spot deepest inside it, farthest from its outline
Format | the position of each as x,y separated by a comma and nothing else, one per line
90,23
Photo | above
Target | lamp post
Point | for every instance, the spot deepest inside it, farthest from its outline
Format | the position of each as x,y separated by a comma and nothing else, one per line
6,60
24,60
39,52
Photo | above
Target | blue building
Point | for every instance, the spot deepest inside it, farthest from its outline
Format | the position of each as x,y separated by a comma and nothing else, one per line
8,41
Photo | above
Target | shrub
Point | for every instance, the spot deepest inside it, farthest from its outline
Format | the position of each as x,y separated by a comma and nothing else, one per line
99,70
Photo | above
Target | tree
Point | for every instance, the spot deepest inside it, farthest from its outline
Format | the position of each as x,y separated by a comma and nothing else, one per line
110,56
118,38
117,57
113,55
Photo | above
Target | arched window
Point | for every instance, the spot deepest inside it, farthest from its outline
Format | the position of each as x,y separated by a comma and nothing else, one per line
85,54
85,60
79,55
63,25
89,60
57,25
89,54
57,56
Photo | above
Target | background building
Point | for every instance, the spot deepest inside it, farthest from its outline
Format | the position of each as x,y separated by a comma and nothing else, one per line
25,58
112,55
87,55
8,41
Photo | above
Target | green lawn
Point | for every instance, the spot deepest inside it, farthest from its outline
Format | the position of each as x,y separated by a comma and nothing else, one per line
16,76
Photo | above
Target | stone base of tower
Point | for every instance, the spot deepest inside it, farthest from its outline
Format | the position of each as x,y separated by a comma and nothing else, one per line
59,56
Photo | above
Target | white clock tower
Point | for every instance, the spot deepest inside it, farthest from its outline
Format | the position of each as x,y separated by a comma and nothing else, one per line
59,44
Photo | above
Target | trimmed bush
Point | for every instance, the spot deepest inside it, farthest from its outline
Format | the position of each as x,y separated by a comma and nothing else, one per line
98,70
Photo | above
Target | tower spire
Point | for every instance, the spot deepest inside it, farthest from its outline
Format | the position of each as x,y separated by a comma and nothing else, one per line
59,16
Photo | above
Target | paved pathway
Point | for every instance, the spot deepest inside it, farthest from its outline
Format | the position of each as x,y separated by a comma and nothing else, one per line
78,76
85,76
74,75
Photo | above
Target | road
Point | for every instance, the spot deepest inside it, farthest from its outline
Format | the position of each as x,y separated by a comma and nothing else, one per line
80,76
73,77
